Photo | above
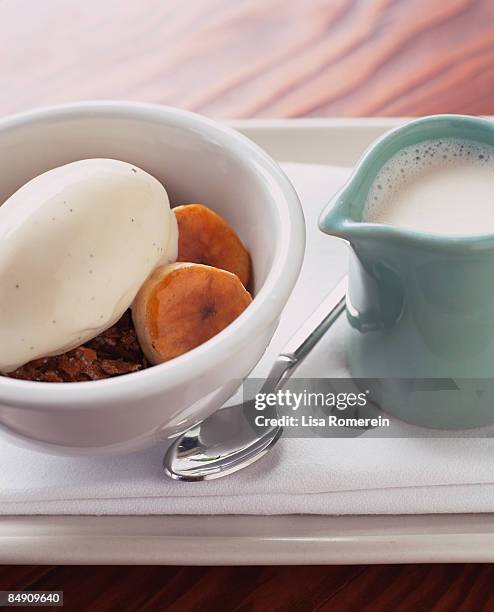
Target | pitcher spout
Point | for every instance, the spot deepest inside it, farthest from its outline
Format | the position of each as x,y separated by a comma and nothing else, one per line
335,220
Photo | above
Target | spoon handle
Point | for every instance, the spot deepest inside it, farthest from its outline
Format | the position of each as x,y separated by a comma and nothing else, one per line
306,338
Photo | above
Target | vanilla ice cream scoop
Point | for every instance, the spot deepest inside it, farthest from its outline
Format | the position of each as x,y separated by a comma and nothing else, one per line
76,244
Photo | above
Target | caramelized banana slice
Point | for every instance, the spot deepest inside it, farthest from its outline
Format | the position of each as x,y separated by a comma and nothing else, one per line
182,305
205,237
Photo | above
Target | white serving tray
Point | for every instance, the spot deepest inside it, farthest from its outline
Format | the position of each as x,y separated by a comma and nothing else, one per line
244,540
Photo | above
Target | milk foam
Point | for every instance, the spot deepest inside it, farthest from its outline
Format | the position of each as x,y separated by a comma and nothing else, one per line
443,186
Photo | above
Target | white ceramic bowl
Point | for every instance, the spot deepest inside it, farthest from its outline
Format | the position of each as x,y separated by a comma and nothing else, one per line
197,160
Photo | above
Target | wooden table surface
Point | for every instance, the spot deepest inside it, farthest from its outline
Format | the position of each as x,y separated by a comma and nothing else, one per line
255,58
265,58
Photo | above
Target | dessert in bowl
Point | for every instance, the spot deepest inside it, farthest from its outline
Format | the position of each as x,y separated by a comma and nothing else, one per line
195,160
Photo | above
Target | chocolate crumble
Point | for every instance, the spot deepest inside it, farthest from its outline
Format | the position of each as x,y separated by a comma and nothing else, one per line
114,352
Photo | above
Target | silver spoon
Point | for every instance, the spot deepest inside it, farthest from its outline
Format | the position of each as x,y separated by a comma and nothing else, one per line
226,442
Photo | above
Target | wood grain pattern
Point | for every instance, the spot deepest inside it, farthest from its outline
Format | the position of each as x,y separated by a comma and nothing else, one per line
242,59
441,588
252,57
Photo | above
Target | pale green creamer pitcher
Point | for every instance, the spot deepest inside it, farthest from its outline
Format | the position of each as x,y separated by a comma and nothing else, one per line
419,305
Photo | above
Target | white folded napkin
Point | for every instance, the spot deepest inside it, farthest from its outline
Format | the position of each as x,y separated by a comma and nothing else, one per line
328,476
